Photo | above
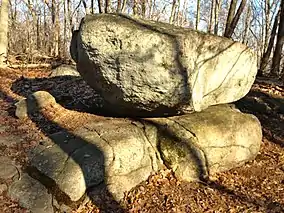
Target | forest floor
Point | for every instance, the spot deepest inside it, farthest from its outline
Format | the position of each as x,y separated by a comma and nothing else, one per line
257,186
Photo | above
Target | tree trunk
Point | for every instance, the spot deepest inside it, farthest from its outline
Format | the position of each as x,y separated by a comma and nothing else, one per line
4,19
55,28
173,11
69,14
46,34
267,23
279,44
184,13
65,29
230,16
143,8
211,16
38,39
92,7
106,6
150,9
197,14
266,55
87,10
134,7
235,20
247,23
100,5
123,6
216,16
176,16
57,32
118,8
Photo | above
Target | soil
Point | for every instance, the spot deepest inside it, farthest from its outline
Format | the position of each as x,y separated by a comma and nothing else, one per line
257,186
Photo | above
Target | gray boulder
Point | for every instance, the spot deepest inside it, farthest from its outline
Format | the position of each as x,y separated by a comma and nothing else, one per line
146,68
64,70
120,153
31,194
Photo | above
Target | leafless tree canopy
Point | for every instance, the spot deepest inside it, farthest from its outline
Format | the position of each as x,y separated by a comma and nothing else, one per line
43,28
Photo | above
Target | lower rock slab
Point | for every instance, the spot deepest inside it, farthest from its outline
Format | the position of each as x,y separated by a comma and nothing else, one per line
121,153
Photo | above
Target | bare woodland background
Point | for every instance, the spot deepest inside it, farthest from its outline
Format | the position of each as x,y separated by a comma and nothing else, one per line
35,31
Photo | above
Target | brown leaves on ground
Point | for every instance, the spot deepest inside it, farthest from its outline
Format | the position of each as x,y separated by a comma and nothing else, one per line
257,186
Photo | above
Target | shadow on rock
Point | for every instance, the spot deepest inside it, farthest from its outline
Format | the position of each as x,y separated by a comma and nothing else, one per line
268,205
183,147
85,159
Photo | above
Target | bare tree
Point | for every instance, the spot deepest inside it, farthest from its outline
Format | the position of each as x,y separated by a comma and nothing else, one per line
230,16
4,17
267,53
267,10
100,5
212,12
218,4
118,7
197,14
107,4
123,6
233,19
279,44
174,6
143,8
92,7
135,7
247,23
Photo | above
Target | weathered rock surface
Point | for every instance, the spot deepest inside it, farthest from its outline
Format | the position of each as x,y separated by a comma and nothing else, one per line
34,102
7,169
214,140
120,153
146,68
31,194
64,70
115,153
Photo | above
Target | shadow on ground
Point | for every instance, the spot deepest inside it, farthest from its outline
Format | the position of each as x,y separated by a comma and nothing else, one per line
270,112
71,92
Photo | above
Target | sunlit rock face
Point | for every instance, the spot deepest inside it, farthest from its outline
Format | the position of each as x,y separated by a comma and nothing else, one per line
146,68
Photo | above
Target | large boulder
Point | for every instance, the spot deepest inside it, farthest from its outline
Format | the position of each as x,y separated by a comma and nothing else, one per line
119,153
146,68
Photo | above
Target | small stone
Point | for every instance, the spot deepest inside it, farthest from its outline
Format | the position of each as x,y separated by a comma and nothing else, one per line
8,170
31,194
34,102
65,70
3,188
